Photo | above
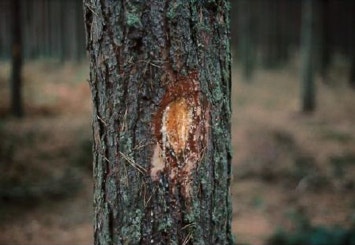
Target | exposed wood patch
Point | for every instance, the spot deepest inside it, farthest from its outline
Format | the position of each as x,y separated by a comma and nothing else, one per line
181,130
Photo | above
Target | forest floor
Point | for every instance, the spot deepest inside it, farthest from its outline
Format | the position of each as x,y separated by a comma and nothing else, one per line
289,168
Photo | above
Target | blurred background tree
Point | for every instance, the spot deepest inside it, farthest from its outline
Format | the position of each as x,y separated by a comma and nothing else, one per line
51,29
307,56
271,31
16,49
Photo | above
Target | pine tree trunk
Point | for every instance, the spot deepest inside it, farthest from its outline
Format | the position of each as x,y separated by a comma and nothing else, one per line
160,82
324,42
16,81
246,38
352,68
79,28
62,29
307,49
352,49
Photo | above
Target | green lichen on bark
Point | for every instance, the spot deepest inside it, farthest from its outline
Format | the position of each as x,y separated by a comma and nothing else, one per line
137,49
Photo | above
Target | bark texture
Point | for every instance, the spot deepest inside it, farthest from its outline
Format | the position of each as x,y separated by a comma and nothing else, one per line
160,82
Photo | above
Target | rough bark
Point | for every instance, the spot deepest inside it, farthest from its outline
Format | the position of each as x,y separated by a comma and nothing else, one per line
160,82
15,80
307,59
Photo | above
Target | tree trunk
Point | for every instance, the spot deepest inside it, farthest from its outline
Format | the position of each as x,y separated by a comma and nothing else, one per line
160,82
16,81
246,38
5,29
324,42
79,29
352,49
307,49
62,29
271,34
352,69
71,27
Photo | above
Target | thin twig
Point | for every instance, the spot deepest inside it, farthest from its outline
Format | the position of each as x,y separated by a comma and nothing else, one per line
141,169
101,120
187,239
91,9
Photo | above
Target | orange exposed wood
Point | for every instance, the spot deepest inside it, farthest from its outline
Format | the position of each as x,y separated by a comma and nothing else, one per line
181,130
177,122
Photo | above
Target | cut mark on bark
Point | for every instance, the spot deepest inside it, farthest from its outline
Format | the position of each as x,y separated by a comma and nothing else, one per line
181,129
176,122
157,163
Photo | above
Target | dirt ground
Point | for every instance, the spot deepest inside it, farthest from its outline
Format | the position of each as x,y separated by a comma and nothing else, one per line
288,168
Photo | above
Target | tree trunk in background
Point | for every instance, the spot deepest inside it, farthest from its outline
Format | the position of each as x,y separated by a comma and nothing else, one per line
45,26
246,38
352,69
15,80
79,29
54,13
307,59
71,27
324,42
271,34
37,7
352,48
284,34
62,28
5,29
160,82
46,29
